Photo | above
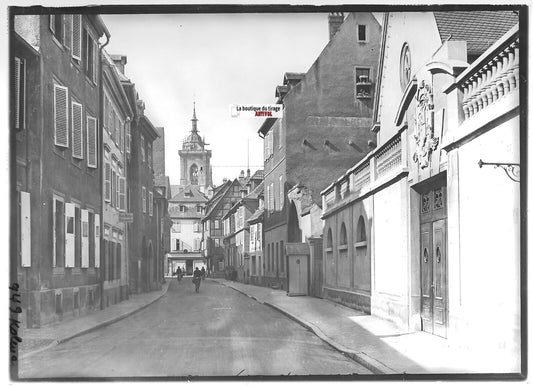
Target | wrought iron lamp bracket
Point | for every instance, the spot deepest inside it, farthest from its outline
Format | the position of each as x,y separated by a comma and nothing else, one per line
511,169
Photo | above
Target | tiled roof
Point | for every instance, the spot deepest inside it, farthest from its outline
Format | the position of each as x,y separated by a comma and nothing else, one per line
258,175
189,194
256,215
254,194
480,29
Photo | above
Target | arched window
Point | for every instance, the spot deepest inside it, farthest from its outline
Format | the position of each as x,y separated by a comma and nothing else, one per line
361,230
343,238
193,174
329,241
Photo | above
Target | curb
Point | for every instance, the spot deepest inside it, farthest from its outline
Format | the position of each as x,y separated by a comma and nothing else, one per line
96,327
363,359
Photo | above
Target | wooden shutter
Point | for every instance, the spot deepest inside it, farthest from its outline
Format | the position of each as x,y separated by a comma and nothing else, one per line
77,135
76,37
144,199
60,116
84,238
97,233
70,236
94,59
25,229
113,187
92,145
107,182
122,189
151,202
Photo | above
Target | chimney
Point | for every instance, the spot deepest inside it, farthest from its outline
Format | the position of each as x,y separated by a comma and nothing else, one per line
247,173
335,20
120,61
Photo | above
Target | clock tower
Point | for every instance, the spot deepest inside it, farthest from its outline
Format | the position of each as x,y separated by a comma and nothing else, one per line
195,160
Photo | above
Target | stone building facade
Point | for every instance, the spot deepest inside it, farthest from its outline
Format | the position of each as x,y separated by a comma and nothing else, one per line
408,236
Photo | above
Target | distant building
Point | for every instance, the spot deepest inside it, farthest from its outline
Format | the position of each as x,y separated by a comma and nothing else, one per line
416,231
57,189
145,266
325,127
117,116
186,210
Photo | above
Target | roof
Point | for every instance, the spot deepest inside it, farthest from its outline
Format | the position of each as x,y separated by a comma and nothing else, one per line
292,76
189,194
256,193
480,29
219,196
256,216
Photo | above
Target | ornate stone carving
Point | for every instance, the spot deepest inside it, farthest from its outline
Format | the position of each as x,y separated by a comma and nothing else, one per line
423,133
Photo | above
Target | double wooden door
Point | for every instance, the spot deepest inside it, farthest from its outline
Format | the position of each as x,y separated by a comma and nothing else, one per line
433,262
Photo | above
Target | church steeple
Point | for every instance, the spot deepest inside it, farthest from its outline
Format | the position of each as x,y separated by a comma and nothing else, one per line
194,120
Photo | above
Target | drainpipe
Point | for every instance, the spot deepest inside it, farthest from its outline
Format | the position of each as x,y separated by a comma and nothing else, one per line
101,162
126,225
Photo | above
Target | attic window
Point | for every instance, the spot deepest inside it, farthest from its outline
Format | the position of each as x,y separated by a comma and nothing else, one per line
188,194
361,33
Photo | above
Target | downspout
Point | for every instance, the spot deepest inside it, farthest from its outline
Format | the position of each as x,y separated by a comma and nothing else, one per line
101,162
126,202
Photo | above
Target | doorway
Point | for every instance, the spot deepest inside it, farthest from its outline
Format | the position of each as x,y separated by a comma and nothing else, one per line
433,261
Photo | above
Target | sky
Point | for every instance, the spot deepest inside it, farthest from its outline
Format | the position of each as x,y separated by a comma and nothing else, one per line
215,60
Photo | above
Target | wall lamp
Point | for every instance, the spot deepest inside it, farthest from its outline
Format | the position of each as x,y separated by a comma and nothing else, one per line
511,169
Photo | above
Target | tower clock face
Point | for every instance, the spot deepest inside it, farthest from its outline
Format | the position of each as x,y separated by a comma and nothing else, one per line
405,66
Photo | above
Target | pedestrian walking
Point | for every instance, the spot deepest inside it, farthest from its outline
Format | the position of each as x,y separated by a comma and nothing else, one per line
196,279
178,272
203,273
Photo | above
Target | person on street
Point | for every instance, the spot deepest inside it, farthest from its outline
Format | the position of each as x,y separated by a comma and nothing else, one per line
196,279
203,273
178,272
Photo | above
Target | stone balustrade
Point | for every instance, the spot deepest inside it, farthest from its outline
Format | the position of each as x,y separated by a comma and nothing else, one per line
491,77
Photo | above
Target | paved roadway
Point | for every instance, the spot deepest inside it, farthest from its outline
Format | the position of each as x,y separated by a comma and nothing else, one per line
217,332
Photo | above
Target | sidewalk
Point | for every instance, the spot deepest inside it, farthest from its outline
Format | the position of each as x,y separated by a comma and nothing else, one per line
38,339
378,344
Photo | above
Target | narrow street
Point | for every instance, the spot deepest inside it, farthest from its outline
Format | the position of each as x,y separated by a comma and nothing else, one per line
218,332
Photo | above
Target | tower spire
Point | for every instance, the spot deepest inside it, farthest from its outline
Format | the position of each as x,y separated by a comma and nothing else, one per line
194,120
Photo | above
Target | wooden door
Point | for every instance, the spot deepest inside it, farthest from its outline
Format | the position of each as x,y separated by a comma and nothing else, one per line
433,263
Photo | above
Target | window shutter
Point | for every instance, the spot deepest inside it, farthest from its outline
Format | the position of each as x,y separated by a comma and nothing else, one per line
96,240
92,145
144,199
25,229
84,238
94,59
67,31
52,23
76,37
107,184
128,138
116,128
20,92
60,116
77,136
151,202
70,235
113,188
122,187
281,194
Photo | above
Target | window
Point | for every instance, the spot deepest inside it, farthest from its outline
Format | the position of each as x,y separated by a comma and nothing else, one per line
91,239
196,227
362,83
89,53
176,227
149,153
60,116
143,199
361,230
151,202
177,241
271,197
77,130
56,26
77,239
92,139
20,93
343,242
217,226
59,233
122,193
217,242
114,188
281,194
76,37
405,66
128,137
142,149
97,233
84,238
183,208
329,241
107,182
361,33
70,235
